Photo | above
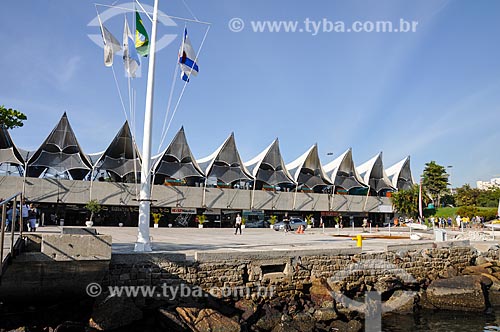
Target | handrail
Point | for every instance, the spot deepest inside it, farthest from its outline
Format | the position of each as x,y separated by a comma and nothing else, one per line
3,204
7,200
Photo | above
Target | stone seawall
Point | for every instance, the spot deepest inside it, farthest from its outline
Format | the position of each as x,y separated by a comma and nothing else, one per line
299,290
289,271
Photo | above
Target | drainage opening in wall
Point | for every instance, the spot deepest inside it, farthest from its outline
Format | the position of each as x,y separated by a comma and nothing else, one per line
273,268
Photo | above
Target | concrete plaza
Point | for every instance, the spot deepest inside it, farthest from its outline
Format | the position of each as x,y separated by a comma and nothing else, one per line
191,240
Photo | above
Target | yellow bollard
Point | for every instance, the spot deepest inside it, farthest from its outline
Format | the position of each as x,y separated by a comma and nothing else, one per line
359,240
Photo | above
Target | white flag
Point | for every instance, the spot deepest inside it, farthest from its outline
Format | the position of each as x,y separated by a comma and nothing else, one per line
111,46
130,57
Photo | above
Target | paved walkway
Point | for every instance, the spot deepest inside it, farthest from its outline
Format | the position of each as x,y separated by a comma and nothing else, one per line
191,240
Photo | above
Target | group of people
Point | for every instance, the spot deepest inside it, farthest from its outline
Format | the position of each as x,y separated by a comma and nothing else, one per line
29,217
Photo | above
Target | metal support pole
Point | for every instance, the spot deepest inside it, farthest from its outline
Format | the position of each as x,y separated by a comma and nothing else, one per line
4,215
13,225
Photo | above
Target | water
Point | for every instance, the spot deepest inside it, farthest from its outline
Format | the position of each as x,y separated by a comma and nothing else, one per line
443,321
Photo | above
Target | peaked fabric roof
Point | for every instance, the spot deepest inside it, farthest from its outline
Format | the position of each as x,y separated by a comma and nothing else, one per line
122,155
343,173
269,167
307,169
400,174
60,152
225,163
374,175
9,153
177,161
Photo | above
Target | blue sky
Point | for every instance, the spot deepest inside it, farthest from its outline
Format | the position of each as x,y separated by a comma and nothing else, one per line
432,94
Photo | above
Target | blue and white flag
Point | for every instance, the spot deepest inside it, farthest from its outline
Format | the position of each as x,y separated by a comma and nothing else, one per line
130,56
187,59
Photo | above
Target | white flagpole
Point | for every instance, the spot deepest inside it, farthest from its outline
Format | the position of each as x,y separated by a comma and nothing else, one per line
420,211
143,242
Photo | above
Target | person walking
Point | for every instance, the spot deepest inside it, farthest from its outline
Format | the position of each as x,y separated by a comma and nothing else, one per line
237,224
32,218
25,214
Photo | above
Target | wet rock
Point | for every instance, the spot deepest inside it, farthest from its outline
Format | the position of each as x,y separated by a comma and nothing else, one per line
463,293
114,312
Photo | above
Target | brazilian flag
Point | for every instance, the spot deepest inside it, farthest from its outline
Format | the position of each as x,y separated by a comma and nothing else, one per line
141,36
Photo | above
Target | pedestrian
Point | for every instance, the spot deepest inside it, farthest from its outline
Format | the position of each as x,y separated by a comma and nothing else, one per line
8,220
365,224
25,213
237,224
32,218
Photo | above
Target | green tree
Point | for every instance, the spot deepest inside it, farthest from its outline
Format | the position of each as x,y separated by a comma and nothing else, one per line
405,202
94,207
467,196
435,181
11,118
488,198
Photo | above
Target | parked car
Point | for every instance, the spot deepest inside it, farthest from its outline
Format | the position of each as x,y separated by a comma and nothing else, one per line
294,224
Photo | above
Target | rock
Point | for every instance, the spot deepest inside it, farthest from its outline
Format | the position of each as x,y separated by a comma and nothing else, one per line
354,326
171,321
301,322
449,272
351,326
270,318
325,314
494,296
188,314
496,275
402,302
114,312
464,293
476,270
211,320
481,260
338,326
387,284
320,294
247,307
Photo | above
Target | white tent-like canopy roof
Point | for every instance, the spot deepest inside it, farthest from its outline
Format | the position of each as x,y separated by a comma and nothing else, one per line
400,174
343,173
225,163
307,169
60,153
374,175
269,166
122,156
9,153
177,161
